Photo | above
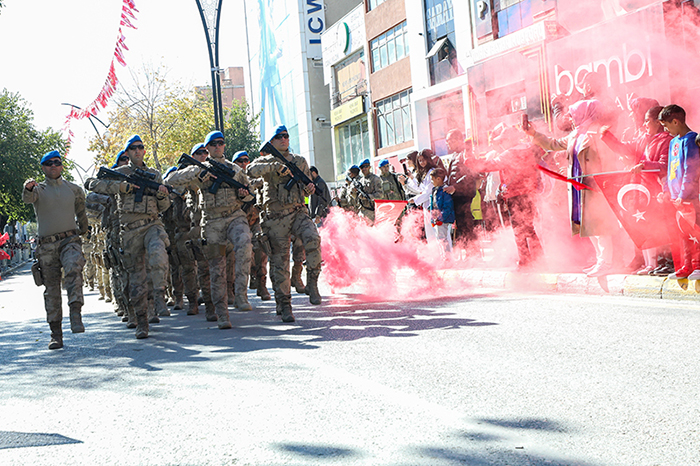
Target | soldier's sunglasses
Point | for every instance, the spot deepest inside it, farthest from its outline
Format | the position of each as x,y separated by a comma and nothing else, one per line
123,159
216,143
52,163
137,147
243,160
281,136
201,152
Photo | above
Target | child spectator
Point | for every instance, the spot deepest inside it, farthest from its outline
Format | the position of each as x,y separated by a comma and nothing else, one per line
681,186
442,211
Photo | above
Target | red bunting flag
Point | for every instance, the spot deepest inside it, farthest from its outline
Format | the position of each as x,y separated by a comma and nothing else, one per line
110,85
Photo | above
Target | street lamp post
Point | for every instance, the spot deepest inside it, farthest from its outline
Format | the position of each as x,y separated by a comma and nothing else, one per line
210,12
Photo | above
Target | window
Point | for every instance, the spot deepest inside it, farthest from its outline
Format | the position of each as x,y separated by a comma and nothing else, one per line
441,40
389,47
372,4
512,15
394,119
353,144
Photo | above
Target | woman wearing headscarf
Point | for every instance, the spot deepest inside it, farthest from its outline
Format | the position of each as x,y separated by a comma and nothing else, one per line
591,216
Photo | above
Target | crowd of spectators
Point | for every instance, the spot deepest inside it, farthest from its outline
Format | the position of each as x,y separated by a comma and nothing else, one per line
466,193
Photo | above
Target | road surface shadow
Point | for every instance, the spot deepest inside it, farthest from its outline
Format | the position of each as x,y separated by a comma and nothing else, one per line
181,338
9,439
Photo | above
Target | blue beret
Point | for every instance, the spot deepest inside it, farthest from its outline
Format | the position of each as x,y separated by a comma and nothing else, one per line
132,140
50,155
278,130
196,147
116,159
354,167
239,154
383,163
213,135
170,170
364,162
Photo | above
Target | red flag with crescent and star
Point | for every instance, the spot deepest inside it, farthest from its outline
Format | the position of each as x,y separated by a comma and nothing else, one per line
387,211
632,197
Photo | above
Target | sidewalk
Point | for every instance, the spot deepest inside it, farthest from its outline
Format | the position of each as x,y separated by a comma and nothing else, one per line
10,270
579,283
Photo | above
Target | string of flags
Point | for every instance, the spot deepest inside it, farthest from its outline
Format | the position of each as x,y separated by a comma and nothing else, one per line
110,86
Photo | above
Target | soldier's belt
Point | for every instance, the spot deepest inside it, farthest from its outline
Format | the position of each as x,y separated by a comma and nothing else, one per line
278,214
137,224
57,237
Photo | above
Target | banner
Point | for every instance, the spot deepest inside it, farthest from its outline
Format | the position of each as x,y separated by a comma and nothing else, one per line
632,197
387,211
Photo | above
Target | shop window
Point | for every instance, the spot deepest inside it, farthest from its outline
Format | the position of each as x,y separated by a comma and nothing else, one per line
394,119
353,144
389,47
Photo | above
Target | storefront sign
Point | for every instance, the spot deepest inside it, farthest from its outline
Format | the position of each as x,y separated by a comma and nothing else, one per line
315,19
347,110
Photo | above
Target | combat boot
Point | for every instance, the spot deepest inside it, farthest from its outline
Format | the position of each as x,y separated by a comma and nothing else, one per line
312,288
76,320
262,289
159,303
285,311
223,320
141,326
253,282
56,335
210,313
241,303
151,313
192,305
296,277
179,303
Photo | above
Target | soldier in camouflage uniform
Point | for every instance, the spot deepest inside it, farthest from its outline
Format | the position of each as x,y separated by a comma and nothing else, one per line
258,268
57,204
347,197
392,188
223,220
88,248
182,263
143,236
285,214
372,187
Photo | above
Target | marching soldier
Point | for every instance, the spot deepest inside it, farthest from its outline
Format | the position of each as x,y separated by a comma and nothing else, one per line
391,187
60,212
371,189
144,239
285,214
223,220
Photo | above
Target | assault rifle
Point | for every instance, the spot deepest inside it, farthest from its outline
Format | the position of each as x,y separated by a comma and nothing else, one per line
357,185
141,178
298,176
221,172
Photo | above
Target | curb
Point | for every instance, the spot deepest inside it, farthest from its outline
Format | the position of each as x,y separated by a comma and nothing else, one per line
578,283
10,270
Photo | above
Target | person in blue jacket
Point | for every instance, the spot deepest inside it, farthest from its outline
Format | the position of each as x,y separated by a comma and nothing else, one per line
681,187
442,211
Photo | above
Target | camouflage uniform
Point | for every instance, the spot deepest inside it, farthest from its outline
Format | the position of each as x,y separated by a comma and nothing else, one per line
195,245
57,204
372,186
223,221
391,188
346,199
144,242
88,248
178,223
285,214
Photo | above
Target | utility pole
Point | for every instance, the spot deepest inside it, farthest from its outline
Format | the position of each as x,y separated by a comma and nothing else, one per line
210,12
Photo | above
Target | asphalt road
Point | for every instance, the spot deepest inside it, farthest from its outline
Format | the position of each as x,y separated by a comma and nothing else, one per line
488,378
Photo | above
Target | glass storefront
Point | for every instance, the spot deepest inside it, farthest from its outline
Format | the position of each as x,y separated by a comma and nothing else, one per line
353,144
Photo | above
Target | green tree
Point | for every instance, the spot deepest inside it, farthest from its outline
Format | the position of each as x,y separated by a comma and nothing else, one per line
241,130
21,148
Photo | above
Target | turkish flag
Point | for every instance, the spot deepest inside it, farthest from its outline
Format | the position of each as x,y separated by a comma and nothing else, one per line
632,197
387,211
